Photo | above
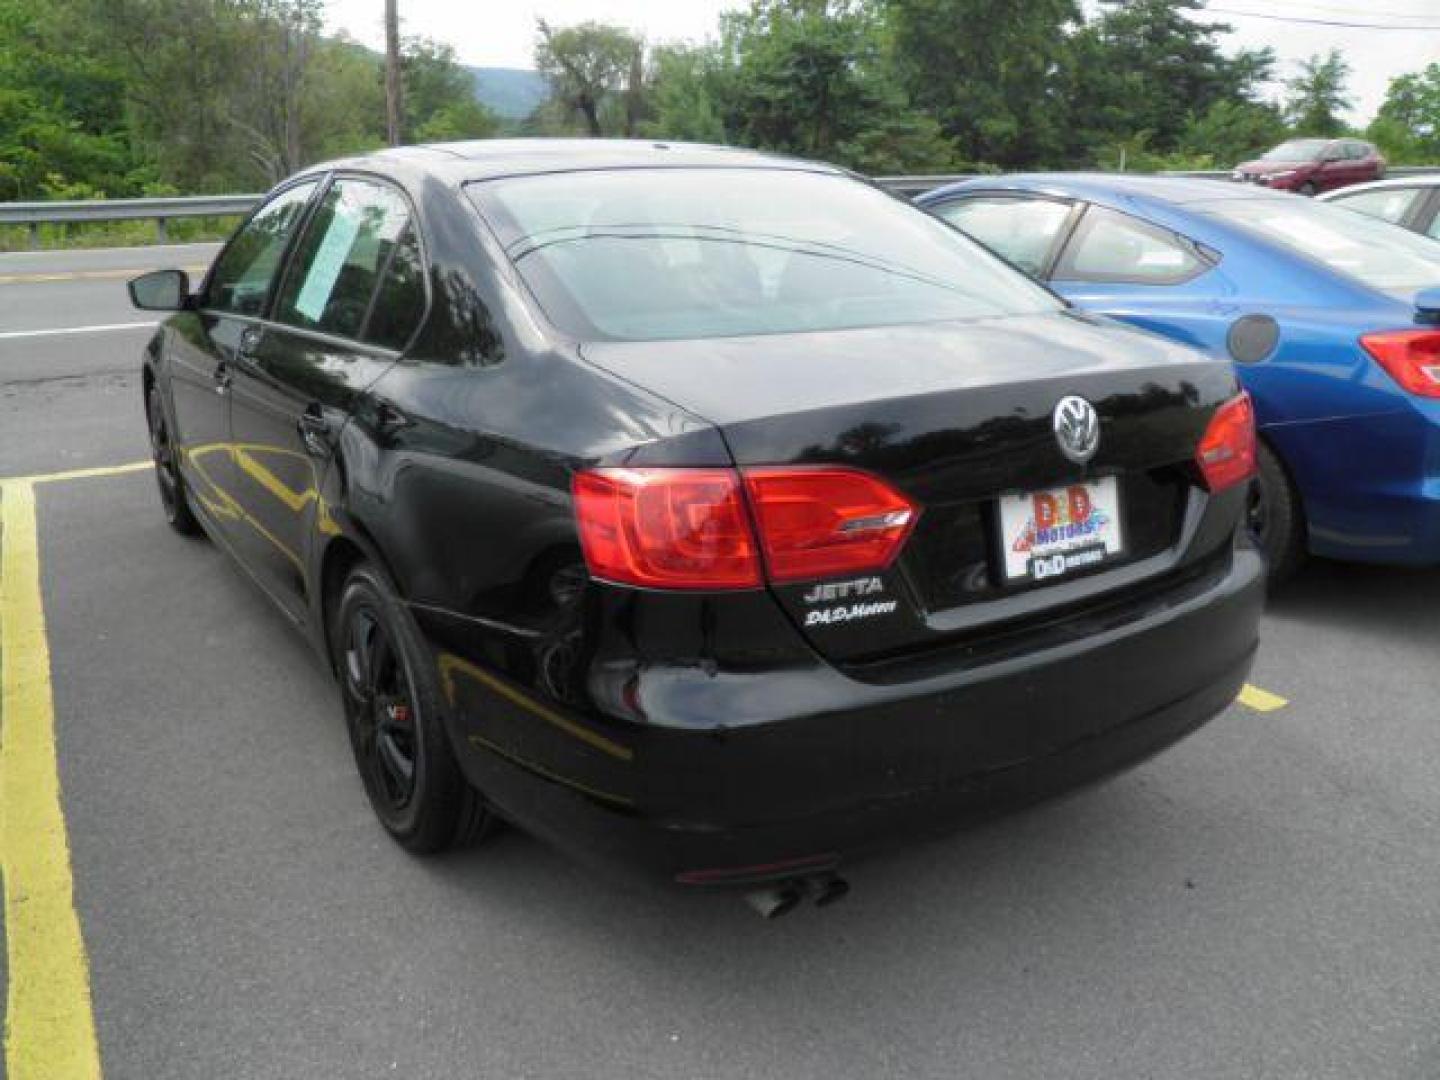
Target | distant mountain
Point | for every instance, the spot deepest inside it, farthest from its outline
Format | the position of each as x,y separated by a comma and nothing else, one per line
511,93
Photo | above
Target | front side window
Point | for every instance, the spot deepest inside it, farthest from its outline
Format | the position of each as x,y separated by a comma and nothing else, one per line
654,254
1371,252
1023,230
347,247
1387,204
241,280
1109,246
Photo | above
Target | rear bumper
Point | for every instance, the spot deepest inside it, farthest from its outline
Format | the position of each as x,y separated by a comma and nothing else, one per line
806,767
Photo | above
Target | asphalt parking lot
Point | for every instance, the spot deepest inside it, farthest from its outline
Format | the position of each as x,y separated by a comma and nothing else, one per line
1259,902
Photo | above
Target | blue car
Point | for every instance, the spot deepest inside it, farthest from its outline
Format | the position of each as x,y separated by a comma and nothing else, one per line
1332,319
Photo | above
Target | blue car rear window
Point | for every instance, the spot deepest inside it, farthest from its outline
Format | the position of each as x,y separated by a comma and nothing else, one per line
1372,252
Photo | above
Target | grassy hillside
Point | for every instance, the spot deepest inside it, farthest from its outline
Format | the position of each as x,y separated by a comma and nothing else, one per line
512,93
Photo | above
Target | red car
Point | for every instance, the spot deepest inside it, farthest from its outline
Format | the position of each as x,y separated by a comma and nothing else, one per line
1311,166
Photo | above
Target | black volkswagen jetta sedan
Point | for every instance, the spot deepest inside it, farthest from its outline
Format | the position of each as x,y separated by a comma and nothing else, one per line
704,512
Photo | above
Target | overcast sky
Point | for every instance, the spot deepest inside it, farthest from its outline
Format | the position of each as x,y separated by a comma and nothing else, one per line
501,33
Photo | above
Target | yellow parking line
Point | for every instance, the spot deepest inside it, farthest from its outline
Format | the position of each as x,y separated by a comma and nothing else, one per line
49,1022
1252,697
78,474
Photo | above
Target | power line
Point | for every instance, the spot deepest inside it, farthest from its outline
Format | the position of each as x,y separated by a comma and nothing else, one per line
1316,22
1353,11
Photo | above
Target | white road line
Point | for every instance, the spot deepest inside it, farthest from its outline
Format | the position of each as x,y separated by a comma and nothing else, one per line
105,328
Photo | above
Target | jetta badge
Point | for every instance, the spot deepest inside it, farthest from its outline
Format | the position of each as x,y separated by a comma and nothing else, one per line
1077,428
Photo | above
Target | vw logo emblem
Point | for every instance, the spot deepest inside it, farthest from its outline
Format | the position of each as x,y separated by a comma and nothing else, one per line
1077,428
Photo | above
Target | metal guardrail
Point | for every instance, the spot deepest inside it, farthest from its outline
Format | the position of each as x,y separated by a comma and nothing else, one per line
34,214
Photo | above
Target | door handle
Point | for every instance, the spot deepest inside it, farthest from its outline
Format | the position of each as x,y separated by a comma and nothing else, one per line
249,342
223,377
314,431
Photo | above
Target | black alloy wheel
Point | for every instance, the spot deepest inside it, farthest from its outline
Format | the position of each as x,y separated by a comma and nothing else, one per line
394,714
384,710
173,498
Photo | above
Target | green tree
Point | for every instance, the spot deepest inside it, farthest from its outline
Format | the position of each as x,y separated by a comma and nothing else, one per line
1231,131
1317,96
1407,129
343,110
440,102
685,91
61,112
807,77
593,70
987,71
1148,66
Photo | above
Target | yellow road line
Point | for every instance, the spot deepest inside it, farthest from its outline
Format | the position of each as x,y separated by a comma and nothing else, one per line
1252,697
78,474
49,1022
40,277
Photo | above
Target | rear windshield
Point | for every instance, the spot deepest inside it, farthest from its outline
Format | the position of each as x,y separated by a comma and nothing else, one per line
654,254
1297,150
1372,252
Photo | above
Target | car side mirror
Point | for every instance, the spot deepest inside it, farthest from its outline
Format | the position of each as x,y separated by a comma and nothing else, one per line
160,290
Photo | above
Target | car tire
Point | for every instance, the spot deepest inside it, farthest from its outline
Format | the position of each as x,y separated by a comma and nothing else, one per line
1277,518
395,716
174,499
1307,189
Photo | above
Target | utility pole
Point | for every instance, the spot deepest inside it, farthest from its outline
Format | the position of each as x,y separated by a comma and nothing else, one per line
393,110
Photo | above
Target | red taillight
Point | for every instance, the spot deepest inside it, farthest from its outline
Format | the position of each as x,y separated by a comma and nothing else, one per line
688,528
666,528
1412,358
1226,455
819,522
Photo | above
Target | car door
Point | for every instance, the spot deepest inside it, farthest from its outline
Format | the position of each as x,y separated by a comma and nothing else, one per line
352,295
1357,169
209,341
1350,166
1332,168
1025,229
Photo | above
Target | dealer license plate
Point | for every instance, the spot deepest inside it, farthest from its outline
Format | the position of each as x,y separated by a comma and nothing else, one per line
1049,534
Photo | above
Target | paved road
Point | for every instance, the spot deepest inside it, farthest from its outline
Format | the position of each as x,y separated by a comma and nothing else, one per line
1260,902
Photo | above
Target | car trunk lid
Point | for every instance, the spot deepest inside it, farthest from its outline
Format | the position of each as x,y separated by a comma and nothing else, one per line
957,417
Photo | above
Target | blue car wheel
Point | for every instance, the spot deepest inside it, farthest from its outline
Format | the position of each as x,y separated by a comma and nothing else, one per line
1276,517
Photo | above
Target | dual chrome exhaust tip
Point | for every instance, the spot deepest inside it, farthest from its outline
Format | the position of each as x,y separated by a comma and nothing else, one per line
782,897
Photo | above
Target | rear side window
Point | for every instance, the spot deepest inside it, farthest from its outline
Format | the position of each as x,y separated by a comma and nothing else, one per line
400,299
1387,204
1109,246
241,280
1023,230
347,248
